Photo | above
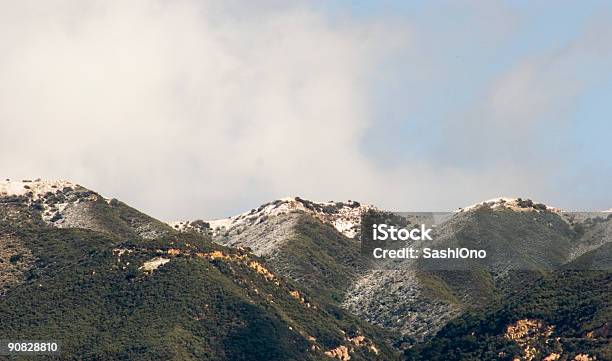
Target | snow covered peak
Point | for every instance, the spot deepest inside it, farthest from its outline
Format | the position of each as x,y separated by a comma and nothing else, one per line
34,189
515,204
53,199
344,216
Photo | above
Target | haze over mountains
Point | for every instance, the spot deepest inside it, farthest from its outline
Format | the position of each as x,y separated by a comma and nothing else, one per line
287,281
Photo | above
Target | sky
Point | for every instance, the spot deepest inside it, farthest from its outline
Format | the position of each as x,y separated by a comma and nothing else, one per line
204,109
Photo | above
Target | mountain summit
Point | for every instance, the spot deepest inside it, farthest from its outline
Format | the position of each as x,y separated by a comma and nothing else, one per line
515,204
344,216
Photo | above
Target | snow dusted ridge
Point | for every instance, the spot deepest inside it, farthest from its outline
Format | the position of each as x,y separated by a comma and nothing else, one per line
52,198
37,188
515,204
344,216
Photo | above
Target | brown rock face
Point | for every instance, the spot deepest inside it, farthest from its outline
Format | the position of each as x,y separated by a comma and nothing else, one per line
340,353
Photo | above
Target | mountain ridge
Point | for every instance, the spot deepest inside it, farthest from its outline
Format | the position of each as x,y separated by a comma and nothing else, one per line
119,284
291,263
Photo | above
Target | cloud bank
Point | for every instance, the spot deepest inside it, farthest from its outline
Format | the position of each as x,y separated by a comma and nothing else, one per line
203,109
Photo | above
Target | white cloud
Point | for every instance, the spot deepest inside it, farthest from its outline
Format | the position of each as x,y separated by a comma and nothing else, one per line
185,108
202,109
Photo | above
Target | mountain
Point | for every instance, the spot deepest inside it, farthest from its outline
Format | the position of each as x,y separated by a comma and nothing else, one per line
110,282
419,299
288,281
427,293
312,243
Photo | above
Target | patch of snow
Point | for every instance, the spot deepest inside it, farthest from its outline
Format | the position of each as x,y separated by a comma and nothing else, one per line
265,238
344,216
494,201
153,264
179,225
38,188
221,223
374,297
53,198
515,204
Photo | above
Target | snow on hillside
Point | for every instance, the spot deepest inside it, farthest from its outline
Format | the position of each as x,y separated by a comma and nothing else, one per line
52,198
515,204
344,216
37,188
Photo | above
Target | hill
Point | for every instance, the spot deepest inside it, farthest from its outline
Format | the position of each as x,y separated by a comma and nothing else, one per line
109,282
418,299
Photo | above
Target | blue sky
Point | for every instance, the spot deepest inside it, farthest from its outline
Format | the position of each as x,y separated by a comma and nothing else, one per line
469,59
202,109
469,52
